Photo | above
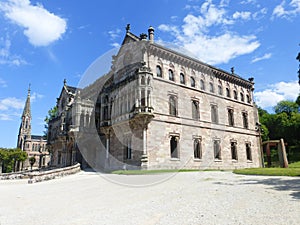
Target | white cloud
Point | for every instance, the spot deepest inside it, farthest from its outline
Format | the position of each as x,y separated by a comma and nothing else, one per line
34,96
195,36
242,15
287,11
6,58
114,34
41,26
4,116
11,103
276,93
265,56
115,45
2,83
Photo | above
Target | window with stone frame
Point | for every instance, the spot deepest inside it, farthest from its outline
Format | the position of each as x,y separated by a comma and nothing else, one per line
195,110
214,114
220,90
193,83
230,117
128,150
233,148
217,149
182,78
174,151
197,148
173,105
211,87
245,120
248,98
242,97
202,85
228,92
235,94
248,152
158,71
171,75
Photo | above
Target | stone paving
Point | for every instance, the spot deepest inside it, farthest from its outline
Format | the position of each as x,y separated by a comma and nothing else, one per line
182,198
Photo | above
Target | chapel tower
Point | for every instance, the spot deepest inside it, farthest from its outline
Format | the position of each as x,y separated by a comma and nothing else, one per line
25,127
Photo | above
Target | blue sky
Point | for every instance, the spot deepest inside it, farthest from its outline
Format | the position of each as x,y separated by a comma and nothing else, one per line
42,42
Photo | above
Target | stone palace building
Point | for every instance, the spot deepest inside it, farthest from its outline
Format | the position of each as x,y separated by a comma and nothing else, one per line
157,108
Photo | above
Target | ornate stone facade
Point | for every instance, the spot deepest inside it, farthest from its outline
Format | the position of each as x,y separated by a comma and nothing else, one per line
157,108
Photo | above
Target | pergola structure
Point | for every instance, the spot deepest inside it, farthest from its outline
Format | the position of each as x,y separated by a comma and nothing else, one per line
281,152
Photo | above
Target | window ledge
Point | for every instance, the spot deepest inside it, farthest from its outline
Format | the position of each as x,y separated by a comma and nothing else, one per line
249,161
234,160
197,160
218,160
175,159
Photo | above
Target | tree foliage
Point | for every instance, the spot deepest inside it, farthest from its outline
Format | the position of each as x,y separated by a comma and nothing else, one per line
52,113
11,159
284,123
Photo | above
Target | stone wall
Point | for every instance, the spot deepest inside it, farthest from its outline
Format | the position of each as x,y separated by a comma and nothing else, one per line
53,174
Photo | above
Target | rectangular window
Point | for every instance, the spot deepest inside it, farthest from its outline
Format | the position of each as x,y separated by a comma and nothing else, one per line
217,149
233,150
214,114
174,147
230,117
173,106
195,110
245,119
248,152
197,148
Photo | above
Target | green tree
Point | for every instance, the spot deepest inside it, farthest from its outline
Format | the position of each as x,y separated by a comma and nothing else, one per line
11,159
52,113
286,106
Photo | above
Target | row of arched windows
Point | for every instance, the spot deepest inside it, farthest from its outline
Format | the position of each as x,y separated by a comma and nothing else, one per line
211,87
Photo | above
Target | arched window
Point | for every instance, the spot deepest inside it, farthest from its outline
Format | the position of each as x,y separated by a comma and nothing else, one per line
143,82
248,99
235,95
171,75
158,71
220,90
197,148
202,85
173,106
211,87
182,79
149,80
242,96
227,92
245,119
193,84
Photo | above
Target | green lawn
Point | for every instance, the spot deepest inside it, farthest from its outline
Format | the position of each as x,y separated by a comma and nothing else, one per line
293,170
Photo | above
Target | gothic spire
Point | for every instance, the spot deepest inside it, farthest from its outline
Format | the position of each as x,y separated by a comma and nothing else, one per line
27,110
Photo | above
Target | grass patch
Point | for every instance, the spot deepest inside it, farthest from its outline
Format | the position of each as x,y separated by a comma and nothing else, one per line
293,171
142,172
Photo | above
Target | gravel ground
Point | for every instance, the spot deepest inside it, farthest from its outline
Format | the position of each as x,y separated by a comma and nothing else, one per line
183,198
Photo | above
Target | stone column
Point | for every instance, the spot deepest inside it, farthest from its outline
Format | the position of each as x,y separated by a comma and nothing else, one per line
144,159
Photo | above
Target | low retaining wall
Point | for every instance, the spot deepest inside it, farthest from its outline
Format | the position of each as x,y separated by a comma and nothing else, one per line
52,174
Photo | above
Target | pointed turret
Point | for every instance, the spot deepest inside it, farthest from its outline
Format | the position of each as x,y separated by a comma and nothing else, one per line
27,110
25,127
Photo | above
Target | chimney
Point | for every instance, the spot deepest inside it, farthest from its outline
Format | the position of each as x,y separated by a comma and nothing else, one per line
151,34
